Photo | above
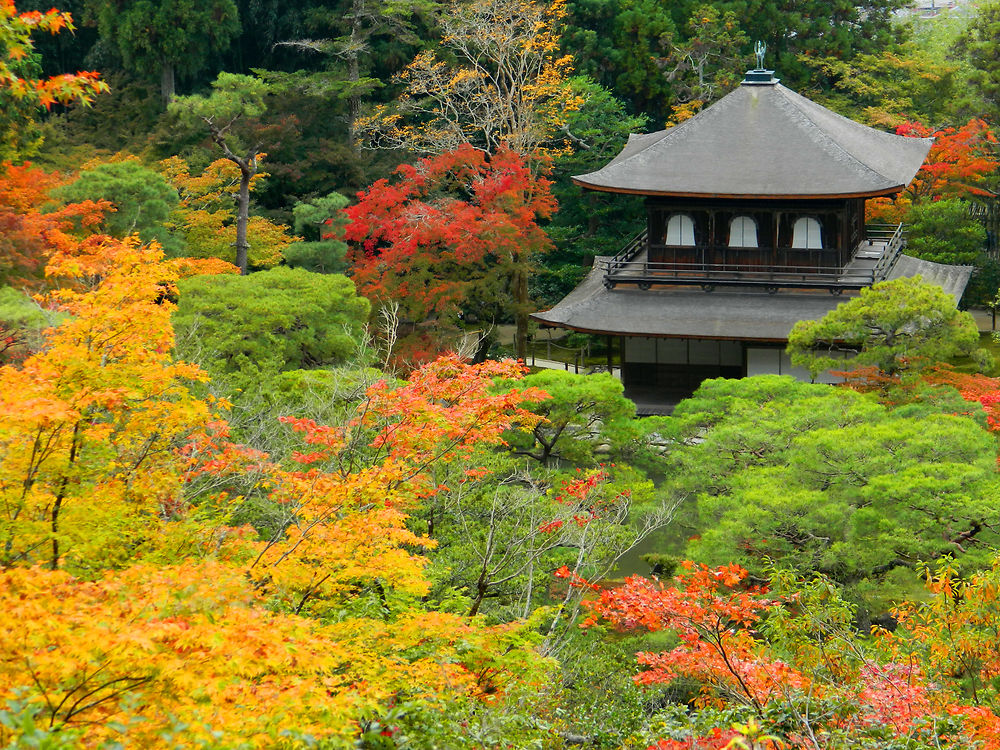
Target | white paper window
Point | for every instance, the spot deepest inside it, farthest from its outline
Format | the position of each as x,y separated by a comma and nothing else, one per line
807,234
680,230
743,232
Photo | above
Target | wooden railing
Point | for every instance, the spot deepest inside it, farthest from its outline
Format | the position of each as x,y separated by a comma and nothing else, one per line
628,268
632,249
893,249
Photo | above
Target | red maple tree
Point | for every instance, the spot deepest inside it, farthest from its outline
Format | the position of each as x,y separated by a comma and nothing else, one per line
452,235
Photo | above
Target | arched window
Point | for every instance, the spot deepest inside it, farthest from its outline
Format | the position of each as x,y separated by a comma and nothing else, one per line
680,230
743,232
807,234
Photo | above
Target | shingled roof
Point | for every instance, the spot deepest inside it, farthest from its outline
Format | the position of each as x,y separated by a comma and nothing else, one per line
763,140
728,313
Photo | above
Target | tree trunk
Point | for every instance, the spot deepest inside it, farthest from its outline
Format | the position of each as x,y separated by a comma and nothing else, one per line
61,495
354,73
167,87
242,213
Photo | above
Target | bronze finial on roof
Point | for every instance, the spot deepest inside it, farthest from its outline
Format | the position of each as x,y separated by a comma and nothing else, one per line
760,76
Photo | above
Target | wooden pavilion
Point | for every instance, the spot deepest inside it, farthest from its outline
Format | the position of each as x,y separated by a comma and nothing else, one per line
758,199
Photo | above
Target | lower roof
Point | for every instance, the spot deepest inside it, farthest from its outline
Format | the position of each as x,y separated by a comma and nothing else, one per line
731,313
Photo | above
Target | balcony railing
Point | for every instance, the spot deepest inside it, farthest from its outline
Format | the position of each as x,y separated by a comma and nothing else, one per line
632,266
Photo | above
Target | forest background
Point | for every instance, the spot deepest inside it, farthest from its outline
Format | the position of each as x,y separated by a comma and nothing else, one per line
249,499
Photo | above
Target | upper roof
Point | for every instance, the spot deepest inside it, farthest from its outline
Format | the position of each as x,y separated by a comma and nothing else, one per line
763,140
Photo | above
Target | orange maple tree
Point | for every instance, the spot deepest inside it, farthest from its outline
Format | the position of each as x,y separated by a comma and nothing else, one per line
797,665
958,164
33,226
168,626
88,425
349,497
15,39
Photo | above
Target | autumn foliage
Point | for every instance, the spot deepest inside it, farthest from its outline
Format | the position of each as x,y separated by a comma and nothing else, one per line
959,161
33,226
805,677
129,612
451,235
15,39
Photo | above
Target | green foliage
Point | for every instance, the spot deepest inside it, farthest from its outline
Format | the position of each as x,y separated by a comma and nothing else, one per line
888,87
20,134
978,46
163,36
322,222
233,97
806,29
709,63
143,199
894,326
620,44
584,413
246,329
943,232
828,480
23,318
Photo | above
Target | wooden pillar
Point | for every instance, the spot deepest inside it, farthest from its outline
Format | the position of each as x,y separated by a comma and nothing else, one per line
774,241
621,357
611,368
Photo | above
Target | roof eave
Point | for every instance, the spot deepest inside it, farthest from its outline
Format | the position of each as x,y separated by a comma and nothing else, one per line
893,190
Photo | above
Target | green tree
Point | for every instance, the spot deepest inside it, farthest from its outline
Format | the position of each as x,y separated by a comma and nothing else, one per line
142,199
795,31
978,46
357,25
828,480
235,100
943,232
245,329
322,222
170,37
892,86
589,222
895,326
582,413
707,64
621,44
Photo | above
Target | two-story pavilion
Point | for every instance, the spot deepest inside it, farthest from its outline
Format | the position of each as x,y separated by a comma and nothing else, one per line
759,199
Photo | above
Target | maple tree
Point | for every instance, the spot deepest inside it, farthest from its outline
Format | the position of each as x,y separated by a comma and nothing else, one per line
29,232
104,449
90,463
155,653
959,163
790,661
456,234
370,473
22,93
